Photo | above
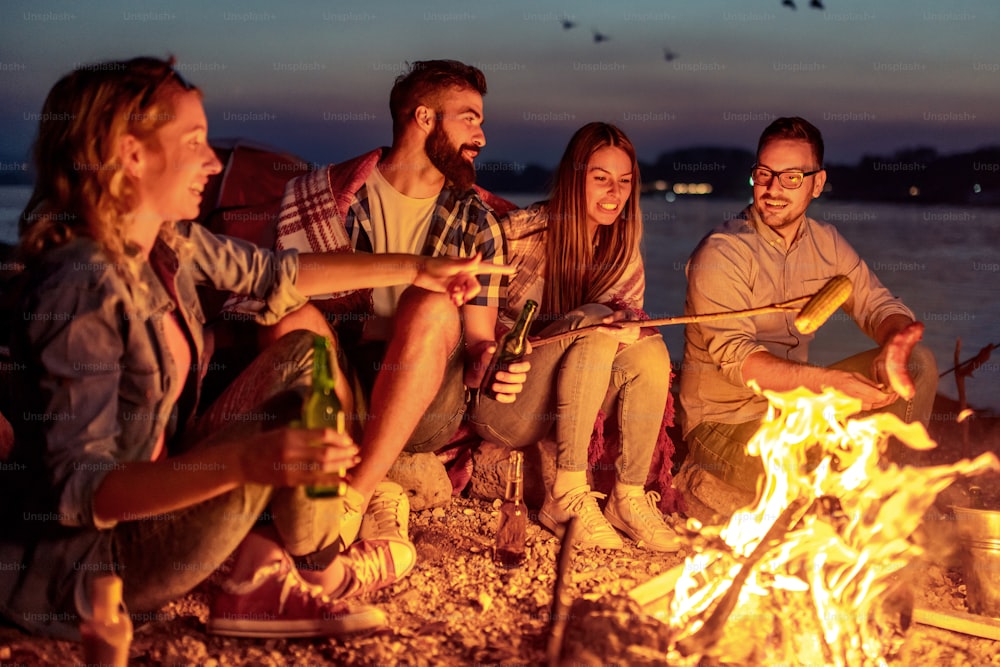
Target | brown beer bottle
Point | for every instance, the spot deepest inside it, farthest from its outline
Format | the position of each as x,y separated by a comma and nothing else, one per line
509,548
107,633
323,410
512,347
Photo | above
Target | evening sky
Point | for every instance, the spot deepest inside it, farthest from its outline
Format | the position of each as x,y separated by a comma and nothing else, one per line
313,77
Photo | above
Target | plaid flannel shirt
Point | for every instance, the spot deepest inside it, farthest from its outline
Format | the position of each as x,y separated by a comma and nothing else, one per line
327,211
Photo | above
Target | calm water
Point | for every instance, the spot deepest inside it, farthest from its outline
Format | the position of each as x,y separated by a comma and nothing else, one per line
944,262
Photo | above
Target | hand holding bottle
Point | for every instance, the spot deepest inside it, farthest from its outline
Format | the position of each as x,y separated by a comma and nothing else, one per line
294,456
508,352
323,410
507,384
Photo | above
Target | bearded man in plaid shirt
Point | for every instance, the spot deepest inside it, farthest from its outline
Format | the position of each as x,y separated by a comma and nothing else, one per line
414,352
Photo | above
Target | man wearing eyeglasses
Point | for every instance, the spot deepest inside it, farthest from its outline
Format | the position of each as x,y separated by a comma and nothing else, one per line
771,253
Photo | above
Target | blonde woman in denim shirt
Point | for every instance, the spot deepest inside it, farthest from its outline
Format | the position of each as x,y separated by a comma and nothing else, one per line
104,476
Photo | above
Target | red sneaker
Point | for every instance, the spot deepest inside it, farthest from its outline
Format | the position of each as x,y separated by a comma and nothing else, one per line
371,565
277,602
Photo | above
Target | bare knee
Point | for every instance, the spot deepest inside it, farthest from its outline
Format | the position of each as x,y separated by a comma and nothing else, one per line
922,362
308,318
428,316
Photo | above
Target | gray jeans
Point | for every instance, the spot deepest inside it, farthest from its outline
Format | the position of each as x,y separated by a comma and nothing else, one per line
720,449
164,557
566,388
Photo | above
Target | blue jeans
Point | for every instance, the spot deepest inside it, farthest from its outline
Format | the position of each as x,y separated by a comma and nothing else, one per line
163,557
720,449
566,388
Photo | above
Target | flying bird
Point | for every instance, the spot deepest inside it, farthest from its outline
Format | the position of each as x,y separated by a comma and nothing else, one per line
817,4
788,3
567,24
668,55
600,37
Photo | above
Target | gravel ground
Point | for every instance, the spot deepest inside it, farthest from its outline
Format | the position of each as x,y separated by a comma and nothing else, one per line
458,608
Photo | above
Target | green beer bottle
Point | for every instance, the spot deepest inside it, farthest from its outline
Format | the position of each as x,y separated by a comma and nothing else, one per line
511,348
322,410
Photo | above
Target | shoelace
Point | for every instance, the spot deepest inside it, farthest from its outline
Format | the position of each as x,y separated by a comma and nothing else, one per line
584,505
292,581
368,566
647,507
385,511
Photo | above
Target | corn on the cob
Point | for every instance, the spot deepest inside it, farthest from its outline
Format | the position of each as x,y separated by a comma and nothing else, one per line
823,304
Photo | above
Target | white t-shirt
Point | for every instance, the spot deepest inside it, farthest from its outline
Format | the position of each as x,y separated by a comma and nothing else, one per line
399,224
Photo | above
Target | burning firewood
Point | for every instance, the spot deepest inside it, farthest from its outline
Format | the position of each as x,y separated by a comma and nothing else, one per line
957,621
706,637
834,574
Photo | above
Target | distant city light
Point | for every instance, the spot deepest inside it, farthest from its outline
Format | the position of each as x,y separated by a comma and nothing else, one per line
692,188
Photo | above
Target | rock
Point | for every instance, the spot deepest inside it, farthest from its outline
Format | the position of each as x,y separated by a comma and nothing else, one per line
709,499
423,478
600,630
489,471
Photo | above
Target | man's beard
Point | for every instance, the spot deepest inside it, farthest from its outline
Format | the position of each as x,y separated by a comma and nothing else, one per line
449,161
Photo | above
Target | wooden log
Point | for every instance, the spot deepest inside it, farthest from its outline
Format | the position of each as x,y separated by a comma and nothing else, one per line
959,621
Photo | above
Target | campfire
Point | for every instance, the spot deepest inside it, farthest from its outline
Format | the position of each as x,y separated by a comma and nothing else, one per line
812,572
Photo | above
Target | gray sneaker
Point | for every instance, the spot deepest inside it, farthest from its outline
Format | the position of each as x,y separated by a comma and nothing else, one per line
388,514
594,530
638,517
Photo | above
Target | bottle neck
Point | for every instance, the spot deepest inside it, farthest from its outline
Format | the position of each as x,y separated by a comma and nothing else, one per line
514,492
322,372
515,477
515,339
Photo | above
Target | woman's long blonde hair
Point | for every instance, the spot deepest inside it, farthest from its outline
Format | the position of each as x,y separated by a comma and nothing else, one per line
578,268
81,188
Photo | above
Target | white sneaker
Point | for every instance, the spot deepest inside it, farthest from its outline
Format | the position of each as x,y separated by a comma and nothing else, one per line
593,528
388,514
351,519
638,517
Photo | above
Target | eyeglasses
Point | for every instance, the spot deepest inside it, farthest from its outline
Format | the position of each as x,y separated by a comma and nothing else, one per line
790,180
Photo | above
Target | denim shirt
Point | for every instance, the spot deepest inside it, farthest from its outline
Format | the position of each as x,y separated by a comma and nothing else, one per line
97,377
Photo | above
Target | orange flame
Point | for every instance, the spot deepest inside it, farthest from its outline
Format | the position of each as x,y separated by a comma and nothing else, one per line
844,517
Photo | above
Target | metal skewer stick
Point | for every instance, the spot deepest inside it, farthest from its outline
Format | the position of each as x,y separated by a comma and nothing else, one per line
783,307
814,309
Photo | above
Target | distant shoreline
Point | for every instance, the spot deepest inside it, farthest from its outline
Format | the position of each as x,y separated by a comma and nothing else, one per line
917,175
